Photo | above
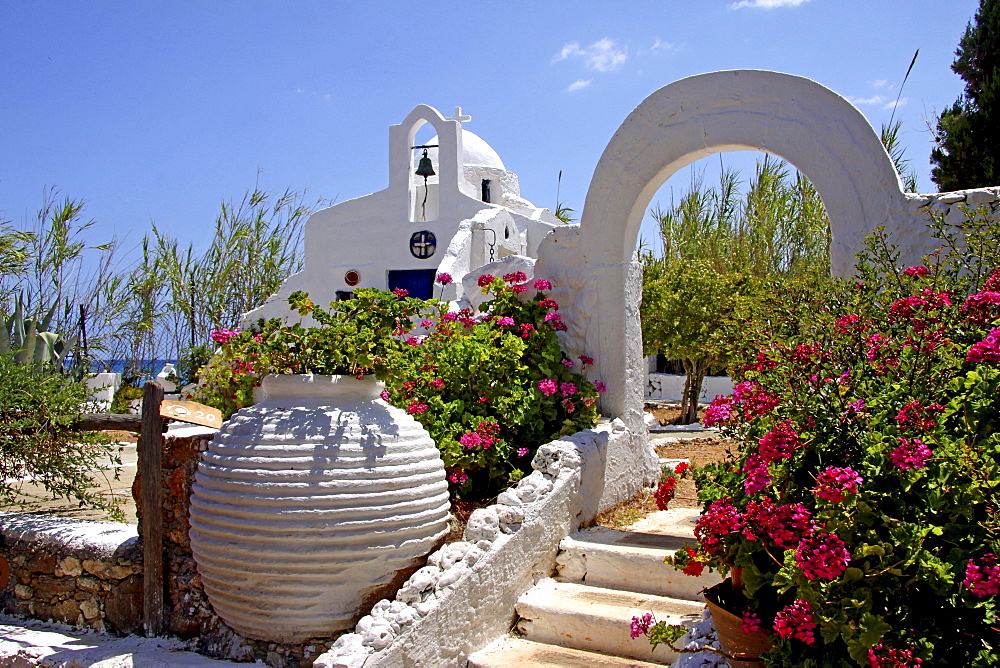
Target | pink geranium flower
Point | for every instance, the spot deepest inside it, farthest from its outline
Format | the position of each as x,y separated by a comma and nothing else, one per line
548,387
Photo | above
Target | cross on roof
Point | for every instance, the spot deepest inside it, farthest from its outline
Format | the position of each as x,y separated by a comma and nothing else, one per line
459,117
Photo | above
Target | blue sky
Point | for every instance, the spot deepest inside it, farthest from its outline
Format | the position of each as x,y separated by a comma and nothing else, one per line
154,112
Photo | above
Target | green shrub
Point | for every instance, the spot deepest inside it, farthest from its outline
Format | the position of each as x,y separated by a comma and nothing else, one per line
491,389
190,363
121,403
38,411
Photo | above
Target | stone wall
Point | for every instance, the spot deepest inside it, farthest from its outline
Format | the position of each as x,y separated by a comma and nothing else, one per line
74,571
90,573
955,206
464,598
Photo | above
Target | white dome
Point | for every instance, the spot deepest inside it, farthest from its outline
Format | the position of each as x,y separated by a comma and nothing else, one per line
475,151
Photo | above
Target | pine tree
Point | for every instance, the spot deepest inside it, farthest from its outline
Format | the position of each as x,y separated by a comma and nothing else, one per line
967,154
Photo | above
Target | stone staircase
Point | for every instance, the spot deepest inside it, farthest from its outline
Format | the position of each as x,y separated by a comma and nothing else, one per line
605,576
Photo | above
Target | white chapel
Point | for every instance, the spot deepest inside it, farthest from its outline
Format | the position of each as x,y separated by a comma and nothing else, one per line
451,207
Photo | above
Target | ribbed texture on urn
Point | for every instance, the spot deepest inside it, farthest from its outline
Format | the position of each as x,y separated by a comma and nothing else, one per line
300,513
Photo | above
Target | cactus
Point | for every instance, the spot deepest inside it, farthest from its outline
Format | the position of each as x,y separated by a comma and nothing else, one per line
30,340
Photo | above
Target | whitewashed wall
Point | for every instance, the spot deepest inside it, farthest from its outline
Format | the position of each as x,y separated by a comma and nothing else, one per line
670,387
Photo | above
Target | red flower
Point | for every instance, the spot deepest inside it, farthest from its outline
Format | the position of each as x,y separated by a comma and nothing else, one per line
983,307
796,621
516,277
993,282
916,271
719,520
664,494
780,442
987,350
822,556
918,417
691,564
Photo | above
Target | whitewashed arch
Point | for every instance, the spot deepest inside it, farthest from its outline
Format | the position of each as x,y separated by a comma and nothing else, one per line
807,124
810,126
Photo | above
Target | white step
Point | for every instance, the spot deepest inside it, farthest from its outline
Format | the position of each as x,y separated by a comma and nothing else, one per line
520,653
634,560
598,620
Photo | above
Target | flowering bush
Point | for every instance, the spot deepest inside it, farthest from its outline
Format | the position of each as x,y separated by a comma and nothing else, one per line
489,387
492,387
861,513
355,338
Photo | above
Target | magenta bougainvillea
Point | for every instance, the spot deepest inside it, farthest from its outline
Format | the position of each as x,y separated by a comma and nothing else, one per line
496,383
862,509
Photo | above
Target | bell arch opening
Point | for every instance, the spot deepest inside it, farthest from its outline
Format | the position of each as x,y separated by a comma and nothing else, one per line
425,173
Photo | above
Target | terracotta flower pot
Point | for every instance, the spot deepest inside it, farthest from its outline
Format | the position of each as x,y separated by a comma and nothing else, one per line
742,650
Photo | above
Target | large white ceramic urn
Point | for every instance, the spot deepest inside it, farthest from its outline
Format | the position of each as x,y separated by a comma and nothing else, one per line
311,504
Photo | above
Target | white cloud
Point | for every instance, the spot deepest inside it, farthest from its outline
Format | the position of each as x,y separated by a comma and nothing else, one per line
896,104
579,84
880,83
569,49
662,46
604,57
601,56
766,4
874,99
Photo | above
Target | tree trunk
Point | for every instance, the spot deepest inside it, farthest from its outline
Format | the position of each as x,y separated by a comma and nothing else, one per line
694,376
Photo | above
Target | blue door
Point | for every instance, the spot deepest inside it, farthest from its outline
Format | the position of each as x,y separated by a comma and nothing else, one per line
417,282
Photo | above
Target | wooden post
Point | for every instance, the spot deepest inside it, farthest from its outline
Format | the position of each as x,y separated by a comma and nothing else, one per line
150,456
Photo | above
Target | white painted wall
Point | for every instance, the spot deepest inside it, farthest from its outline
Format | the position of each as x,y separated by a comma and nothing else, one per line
670,387
102,388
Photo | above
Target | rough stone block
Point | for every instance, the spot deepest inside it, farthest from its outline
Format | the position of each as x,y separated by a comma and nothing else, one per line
69,566
90,609
66,611
123,609
107,571
951,198
980,197
4,572
41,562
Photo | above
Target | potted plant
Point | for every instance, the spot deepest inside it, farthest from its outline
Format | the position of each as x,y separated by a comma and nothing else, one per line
314,502
859,520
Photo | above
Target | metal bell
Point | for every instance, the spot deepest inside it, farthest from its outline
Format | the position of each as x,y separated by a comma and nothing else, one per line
424,167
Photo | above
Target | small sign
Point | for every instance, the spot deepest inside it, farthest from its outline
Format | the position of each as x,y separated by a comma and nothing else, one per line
423,244
191,411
